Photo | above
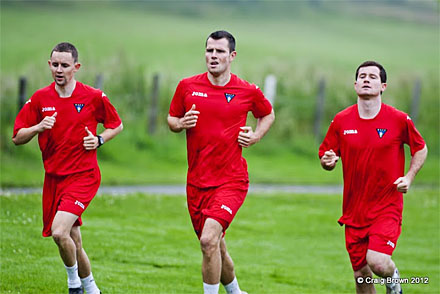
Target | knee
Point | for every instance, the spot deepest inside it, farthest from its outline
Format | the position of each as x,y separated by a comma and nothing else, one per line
362,274
378,266
209,245
59,236
76,238
78,245
223,252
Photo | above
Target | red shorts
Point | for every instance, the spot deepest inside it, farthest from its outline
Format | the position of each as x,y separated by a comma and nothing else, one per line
71,193
220,203
381,236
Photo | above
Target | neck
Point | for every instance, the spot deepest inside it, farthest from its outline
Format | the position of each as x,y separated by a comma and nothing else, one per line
67,90
369,108
221,79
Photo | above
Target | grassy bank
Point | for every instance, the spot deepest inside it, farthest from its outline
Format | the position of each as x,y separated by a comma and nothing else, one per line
164,162
145,244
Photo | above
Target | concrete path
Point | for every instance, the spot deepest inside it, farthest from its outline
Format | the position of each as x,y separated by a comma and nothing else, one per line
180,189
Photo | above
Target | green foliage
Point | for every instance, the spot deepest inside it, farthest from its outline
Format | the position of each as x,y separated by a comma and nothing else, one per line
280,243
299,43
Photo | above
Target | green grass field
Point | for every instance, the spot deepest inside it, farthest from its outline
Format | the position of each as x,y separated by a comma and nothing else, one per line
145,244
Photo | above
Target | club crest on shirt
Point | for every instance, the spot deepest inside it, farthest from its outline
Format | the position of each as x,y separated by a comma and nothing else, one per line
381,132
78,106
229,97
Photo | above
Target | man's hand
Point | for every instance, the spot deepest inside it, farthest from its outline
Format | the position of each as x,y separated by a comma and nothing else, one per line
329,160
417,160
247,137
189,120
403,184
90,141
47,123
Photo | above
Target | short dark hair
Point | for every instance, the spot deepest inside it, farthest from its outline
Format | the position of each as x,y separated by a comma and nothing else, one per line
66,47
217,35
383,73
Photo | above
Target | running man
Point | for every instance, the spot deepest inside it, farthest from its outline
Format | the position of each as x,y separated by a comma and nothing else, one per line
212,107
369,138
65,116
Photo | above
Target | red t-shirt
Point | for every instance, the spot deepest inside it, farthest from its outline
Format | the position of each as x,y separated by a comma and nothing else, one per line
214,156
373,158
62,146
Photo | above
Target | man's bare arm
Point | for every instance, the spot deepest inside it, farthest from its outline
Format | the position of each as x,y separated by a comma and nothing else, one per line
24,135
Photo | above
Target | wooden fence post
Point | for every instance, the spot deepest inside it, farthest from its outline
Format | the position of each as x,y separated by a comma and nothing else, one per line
270,88
21,92
414,111
154,105
319,110
99,81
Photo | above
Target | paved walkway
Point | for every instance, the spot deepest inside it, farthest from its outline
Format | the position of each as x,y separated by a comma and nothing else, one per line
180,189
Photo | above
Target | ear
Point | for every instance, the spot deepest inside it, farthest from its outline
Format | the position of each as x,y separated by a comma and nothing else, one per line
49,62
383,87
233,54
77,66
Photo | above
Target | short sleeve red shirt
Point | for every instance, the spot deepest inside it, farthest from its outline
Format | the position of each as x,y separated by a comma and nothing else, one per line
62,147
214,156
373,158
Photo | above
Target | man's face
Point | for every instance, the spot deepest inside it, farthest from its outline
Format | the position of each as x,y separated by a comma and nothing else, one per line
217,56
63,67
368,83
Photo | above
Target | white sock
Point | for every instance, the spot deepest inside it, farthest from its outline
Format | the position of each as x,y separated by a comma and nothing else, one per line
210,289
395,275
90,285
232,287
73,280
